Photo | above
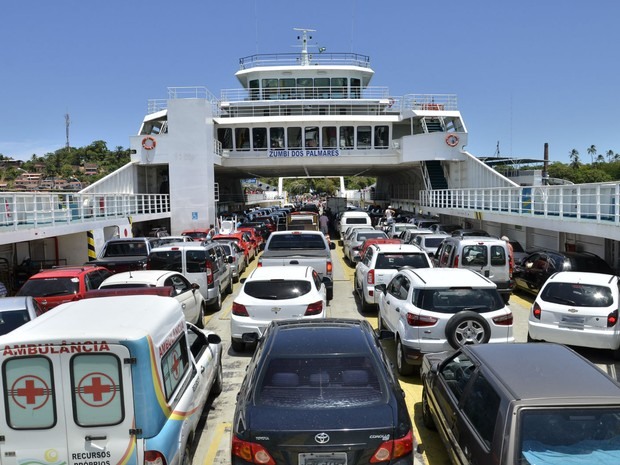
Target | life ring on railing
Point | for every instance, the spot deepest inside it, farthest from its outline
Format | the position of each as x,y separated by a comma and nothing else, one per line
390,102
149,143
452,140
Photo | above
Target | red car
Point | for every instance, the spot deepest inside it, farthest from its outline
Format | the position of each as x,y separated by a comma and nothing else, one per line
369,242
199,234
56,286
243,240
256,238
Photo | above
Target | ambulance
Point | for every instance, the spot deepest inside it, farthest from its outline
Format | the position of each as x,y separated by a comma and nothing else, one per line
106,381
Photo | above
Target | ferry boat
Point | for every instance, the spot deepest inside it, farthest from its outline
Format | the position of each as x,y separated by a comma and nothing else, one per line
310,113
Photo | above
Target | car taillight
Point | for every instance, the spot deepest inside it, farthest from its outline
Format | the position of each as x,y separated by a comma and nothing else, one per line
259,264
153,457
421,320
456,262
370,278
314,309
536,311
329,267
209,271
612,319
504,320
251,452
239,310
390,450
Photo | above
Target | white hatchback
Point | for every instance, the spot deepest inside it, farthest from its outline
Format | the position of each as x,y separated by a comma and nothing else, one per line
275,293
577,309
186,293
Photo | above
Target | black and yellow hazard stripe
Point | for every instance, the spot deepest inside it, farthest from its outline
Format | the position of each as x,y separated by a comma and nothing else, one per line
92,255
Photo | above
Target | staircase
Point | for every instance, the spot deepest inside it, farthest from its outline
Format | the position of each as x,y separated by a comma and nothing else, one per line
436,178
433,125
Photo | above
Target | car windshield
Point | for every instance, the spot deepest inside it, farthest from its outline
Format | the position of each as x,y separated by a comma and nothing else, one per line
570,435
590,263
433,242
12,319
362,236
579,295
307,381
277,289
393,261
49,287
456,299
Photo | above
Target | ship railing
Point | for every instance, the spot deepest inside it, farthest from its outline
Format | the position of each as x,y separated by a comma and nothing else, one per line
192,92
313,58
436,102
20,210
596,202
305,93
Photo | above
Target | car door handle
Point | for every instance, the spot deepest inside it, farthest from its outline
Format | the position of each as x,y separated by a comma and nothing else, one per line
294,262
202,369
183,306
95,438
397,309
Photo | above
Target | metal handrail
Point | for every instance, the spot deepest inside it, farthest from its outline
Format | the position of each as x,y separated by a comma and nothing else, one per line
291,59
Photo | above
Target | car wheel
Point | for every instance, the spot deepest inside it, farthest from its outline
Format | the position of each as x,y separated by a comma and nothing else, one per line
401,363
530,338
217,306
235,279
201,315
329,294
218,384
427,418
229,288
467,328
506,298
237,346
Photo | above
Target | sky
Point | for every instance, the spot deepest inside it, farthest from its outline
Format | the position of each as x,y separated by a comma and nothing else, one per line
525,73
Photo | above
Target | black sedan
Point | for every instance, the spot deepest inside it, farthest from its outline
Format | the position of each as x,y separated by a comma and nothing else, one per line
534,270
321,392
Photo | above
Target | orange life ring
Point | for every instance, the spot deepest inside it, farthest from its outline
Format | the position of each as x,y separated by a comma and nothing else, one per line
149,143
452,140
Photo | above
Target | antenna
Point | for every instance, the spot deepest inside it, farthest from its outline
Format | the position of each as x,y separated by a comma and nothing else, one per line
304,44
67,123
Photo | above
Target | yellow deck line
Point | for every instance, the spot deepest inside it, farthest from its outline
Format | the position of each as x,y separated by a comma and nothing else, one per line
214,446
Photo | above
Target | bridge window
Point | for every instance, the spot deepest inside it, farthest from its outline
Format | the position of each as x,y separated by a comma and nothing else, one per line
382,136
329,137
294,137
356,88
254,89
347,137
224,136
304,87
311,136
339,87
363,137
287,88
322,87
259,138
270,89
242,138
276,138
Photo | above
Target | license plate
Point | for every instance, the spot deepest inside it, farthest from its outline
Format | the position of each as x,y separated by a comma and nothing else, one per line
575,322
323,458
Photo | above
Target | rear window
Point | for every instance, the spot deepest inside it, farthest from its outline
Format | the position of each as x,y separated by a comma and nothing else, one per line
10,320
569,435
49,287
393,261
297,241
579,295
169,260
433,242
320,383
275,290
453,300
356,221
369,235
590,263
126,248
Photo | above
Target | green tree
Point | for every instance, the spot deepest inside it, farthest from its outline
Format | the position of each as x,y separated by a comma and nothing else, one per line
592,152
575,162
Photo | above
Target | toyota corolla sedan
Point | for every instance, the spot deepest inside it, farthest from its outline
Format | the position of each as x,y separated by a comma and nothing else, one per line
321,392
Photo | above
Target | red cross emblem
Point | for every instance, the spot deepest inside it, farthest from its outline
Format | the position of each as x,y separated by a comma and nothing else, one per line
175,366
97,389
30,392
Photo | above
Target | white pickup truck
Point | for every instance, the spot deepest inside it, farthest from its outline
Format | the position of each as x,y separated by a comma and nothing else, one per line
308,248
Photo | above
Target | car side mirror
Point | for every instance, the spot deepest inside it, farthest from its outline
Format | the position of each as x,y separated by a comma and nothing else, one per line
385,334
380,288
195,286
357,258
332,246
213,338
261,247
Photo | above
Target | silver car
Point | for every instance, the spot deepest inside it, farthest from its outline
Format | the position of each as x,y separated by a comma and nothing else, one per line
236,258
353,243
15,311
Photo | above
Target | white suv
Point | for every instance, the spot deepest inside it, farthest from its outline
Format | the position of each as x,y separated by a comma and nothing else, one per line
379,263
577,309
439,309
